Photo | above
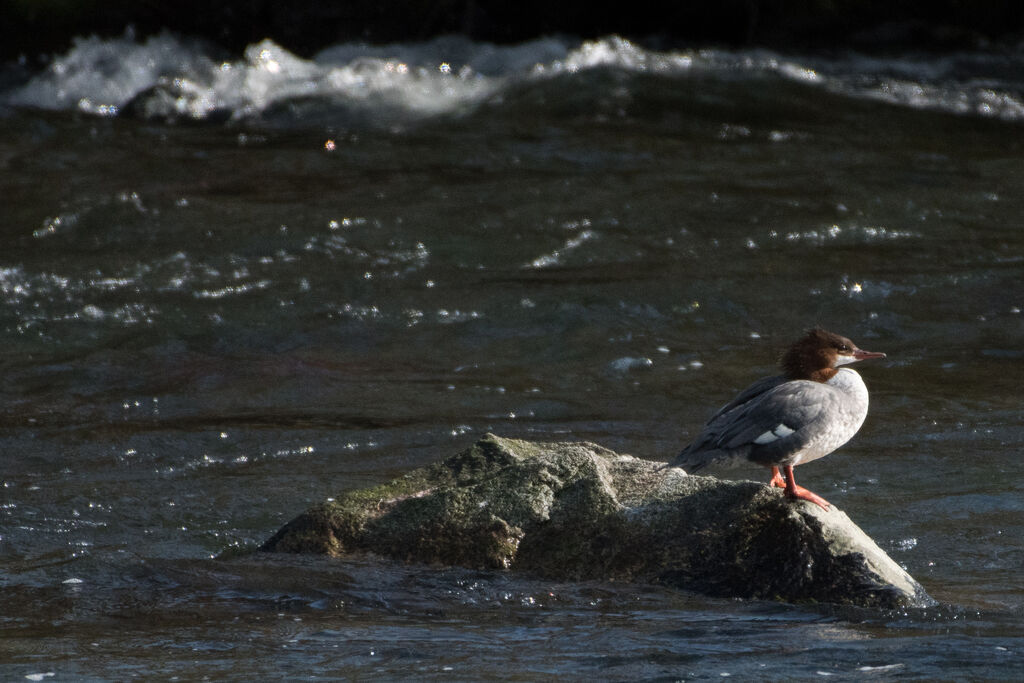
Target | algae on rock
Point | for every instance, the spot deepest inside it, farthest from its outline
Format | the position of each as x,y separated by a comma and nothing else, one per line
575,511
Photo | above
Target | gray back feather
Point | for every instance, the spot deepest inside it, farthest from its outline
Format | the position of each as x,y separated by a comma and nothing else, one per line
730,436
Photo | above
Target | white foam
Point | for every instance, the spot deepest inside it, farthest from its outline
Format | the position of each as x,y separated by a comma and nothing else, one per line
627,363
556,257
100,76
454,75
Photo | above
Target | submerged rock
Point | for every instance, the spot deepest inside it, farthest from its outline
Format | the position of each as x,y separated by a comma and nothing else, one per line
577,511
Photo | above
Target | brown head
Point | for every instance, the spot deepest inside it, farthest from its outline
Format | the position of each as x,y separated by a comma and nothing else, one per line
819,353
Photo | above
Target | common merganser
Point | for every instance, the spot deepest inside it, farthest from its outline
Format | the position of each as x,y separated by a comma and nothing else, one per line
810,410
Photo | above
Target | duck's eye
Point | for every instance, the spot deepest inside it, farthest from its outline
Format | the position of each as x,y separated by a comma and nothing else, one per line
843,347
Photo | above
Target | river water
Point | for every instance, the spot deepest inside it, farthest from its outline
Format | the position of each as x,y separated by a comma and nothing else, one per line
232,286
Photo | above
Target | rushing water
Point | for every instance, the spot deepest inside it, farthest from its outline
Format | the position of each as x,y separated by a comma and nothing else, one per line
233,287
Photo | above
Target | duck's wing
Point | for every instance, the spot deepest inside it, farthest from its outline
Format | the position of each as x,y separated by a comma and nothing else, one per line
749,394
703,449
767,427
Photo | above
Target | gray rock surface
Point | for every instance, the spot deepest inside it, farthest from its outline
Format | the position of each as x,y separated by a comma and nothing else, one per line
577,511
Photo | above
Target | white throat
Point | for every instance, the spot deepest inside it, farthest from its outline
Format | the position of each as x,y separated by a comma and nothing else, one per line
848,381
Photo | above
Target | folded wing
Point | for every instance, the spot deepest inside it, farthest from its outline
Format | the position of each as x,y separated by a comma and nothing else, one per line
768,424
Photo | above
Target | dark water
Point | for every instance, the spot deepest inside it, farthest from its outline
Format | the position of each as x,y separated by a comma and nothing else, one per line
234,287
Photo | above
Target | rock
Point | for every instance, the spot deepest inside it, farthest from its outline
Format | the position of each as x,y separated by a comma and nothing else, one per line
577,511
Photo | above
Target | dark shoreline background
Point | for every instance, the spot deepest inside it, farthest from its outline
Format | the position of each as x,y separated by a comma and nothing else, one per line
36,28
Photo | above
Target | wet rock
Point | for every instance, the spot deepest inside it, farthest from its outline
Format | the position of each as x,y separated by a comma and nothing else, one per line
577,511
174,100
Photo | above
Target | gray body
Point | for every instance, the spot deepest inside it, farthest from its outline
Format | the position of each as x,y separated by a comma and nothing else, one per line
779,422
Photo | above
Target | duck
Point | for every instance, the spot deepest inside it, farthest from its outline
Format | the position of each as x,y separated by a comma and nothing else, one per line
815,406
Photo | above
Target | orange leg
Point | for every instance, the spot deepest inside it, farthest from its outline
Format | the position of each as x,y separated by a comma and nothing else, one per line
799,492
777,480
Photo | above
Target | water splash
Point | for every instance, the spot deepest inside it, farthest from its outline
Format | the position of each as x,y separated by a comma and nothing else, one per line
165,77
